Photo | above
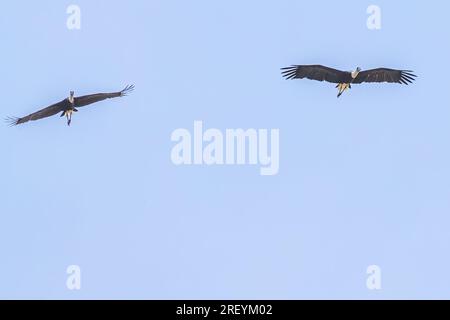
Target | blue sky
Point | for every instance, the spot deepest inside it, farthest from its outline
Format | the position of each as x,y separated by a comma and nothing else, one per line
363,180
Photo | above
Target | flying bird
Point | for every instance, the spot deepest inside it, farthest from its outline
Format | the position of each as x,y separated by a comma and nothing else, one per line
345,79
69,105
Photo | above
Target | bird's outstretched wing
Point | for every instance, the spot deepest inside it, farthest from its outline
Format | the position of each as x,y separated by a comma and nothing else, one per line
93,98
385,75
44,113
314,72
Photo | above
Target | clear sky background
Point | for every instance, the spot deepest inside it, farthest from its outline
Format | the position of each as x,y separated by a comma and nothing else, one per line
364,179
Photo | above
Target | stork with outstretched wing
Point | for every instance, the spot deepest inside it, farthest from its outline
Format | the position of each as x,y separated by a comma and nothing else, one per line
69,106
345,79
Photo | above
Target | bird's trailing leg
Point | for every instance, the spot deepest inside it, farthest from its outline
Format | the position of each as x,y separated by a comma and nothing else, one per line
68,114
342,87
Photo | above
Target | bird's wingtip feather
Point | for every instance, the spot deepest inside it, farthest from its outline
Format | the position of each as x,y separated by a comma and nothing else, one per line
127,90
12,121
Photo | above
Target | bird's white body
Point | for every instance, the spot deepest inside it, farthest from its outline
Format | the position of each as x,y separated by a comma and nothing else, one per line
344,86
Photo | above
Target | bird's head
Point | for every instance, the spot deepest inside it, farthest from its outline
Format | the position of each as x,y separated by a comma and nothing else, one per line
71,96
356,72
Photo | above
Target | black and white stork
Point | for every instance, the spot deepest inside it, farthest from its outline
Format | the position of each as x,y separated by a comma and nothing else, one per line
69,105
345,79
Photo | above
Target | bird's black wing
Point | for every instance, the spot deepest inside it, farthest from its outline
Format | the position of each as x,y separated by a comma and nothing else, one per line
44,113
385,75
314,72
93,98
